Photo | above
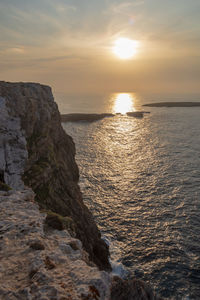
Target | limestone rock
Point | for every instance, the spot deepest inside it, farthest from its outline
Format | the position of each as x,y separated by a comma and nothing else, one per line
50,170
44,270
13,153
131,289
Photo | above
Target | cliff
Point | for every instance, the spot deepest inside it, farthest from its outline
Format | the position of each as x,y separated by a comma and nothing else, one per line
49,249
50,169
38,262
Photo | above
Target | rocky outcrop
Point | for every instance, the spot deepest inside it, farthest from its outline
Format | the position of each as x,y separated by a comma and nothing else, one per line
50,169
38,262
131,289
13,153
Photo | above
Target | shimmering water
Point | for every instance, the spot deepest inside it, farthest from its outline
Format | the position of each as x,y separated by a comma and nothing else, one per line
141,180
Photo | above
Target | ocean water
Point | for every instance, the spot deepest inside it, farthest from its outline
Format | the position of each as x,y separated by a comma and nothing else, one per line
141,180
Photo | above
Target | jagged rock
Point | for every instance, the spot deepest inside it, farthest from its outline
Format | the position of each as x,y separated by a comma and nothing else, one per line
49,263
131,289
48,274
37,245
13,153
50,170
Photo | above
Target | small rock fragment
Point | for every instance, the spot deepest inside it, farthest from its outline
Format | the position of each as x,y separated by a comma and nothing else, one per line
74,245
37,245
48,263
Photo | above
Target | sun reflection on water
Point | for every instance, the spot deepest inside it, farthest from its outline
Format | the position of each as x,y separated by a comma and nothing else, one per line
123,103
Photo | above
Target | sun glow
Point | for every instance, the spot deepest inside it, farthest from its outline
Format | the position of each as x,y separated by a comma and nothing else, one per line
124,103
125,48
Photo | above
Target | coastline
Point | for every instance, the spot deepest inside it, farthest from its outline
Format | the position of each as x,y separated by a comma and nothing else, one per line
44,161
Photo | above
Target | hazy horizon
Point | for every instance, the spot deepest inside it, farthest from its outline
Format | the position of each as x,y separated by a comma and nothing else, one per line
68,45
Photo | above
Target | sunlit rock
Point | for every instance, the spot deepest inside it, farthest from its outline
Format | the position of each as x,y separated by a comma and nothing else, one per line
32,137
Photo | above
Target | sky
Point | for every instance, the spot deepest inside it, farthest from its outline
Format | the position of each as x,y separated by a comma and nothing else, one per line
67,44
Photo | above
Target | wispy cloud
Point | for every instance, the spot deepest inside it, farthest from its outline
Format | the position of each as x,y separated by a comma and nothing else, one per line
16,50
30,25
75,37
125,8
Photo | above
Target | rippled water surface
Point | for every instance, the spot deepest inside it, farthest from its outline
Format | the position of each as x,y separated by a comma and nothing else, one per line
141,180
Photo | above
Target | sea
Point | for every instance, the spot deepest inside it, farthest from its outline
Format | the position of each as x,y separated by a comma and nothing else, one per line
140,177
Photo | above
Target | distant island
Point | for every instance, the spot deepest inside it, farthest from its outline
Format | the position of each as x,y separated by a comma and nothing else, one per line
76,117
84,117
173,104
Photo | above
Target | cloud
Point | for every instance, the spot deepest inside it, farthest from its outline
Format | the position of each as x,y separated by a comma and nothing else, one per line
73,38
125,8
16,50
34,24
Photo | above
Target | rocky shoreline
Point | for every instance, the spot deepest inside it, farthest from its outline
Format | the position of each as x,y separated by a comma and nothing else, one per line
50,246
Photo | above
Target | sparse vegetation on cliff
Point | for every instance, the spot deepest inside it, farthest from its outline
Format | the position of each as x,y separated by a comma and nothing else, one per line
4,187
59,222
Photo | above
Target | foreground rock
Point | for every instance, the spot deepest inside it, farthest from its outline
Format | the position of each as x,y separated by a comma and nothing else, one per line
78,117
13,153
173,104
38,262
50,169
131,289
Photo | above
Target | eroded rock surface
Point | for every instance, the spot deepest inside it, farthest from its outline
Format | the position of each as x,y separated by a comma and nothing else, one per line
39,263
51,170
13,153
131,289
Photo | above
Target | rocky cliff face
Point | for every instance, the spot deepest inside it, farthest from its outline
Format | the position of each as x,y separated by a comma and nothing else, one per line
40,256
50,168
13,153
38,262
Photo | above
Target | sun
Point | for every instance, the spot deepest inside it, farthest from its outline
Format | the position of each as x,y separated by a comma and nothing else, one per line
125,48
